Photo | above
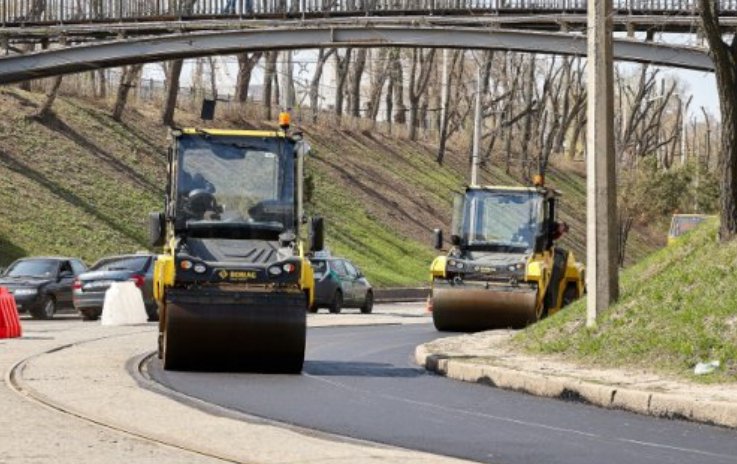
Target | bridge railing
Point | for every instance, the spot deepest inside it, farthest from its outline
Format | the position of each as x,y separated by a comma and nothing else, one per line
74,11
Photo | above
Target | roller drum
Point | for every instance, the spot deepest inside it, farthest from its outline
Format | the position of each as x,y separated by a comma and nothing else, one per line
235,332
465,308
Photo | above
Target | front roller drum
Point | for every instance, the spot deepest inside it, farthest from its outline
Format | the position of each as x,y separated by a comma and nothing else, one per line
464,308
226,332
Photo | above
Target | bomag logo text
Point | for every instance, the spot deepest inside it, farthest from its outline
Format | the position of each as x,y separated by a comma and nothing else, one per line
237,275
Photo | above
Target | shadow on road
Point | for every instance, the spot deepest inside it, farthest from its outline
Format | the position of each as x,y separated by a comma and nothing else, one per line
359,369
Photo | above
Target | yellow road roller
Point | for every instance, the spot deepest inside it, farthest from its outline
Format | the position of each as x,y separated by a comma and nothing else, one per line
503,270
233,282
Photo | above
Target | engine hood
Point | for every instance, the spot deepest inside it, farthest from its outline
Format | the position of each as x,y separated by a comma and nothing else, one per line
258,252
496,259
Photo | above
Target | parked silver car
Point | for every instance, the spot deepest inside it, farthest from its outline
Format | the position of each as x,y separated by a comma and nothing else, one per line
339,284
90,287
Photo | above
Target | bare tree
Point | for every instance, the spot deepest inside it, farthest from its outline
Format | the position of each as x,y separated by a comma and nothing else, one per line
724,56
322,58
246,63
128,79
269,72
172,91
341,73
378,79
45,109
445,116
418,79
357,67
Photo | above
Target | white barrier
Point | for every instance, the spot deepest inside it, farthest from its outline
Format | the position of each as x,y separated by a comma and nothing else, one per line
123,305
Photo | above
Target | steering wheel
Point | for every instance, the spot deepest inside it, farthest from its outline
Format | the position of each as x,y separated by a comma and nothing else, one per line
200,201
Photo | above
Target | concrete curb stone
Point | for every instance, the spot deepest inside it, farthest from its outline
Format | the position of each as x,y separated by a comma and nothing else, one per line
651,403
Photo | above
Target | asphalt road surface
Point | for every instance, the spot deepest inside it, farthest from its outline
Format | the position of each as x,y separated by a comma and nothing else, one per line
361,382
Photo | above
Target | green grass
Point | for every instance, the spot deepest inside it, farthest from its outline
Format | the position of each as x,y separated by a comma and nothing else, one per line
677,307
72,184
82,184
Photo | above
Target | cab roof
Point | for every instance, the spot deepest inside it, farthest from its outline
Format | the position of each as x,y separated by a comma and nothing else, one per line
230,132
514,189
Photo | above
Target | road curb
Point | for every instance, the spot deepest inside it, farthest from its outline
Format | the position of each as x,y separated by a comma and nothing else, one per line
650,403
401,295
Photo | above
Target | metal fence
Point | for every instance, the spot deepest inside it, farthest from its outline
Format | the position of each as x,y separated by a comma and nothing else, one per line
71,11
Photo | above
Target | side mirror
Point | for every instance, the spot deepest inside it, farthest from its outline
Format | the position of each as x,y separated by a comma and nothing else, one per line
437,239
455,240
541,241
156,227
317,234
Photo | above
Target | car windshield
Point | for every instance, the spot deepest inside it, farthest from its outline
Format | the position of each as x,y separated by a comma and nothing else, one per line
33,268
130,263
241,182
502,219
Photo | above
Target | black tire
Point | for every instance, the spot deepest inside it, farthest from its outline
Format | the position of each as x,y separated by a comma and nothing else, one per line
337,304
90,314
46,310
368,303
312,308
153,314
570,295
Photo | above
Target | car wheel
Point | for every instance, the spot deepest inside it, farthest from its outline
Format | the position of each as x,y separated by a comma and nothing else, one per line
46,310
368,303
337,304
90,314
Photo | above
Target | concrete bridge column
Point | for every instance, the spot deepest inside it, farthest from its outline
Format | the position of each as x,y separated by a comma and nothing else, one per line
601,193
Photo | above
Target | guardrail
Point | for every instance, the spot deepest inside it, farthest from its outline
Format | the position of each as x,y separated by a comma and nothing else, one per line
19,12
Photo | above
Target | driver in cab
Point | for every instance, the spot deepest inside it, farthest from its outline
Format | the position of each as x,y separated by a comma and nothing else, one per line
198,192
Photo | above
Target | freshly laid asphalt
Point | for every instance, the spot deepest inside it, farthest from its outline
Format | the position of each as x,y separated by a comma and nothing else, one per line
362,382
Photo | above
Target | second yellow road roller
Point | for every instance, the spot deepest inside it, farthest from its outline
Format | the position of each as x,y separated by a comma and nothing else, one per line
233,283
504,269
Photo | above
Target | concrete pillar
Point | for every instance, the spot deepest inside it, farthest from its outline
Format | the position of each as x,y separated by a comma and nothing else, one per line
601,193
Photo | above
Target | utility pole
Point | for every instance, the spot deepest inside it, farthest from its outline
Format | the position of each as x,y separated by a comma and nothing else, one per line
476,130
601,190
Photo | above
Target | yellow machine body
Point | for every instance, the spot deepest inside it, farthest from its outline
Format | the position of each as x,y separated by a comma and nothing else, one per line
233,282
504,270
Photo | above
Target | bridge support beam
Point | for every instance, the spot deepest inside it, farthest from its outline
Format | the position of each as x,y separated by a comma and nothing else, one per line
601,190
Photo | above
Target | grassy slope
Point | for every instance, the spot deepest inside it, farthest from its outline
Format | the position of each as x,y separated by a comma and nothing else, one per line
677,308
81,184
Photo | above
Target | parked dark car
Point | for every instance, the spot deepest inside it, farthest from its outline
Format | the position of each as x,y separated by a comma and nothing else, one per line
42,285
90,287
339,284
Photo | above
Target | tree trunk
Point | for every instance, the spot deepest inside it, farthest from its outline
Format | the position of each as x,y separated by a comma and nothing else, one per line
725,63
341,72
128,79
418,81
269,71
172,91
45,109
398,90
358,66
322,58
246,63
377,84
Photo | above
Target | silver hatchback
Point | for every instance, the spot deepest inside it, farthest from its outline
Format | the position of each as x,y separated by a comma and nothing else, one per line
90,287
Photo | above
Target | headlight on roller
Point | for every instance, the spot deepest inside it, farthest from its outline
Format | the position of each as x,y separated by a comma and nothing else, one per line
275,270
199,268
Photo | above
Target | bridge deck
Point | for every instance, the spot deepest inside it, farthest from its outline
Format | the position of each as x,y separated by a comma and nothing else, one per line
23,13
